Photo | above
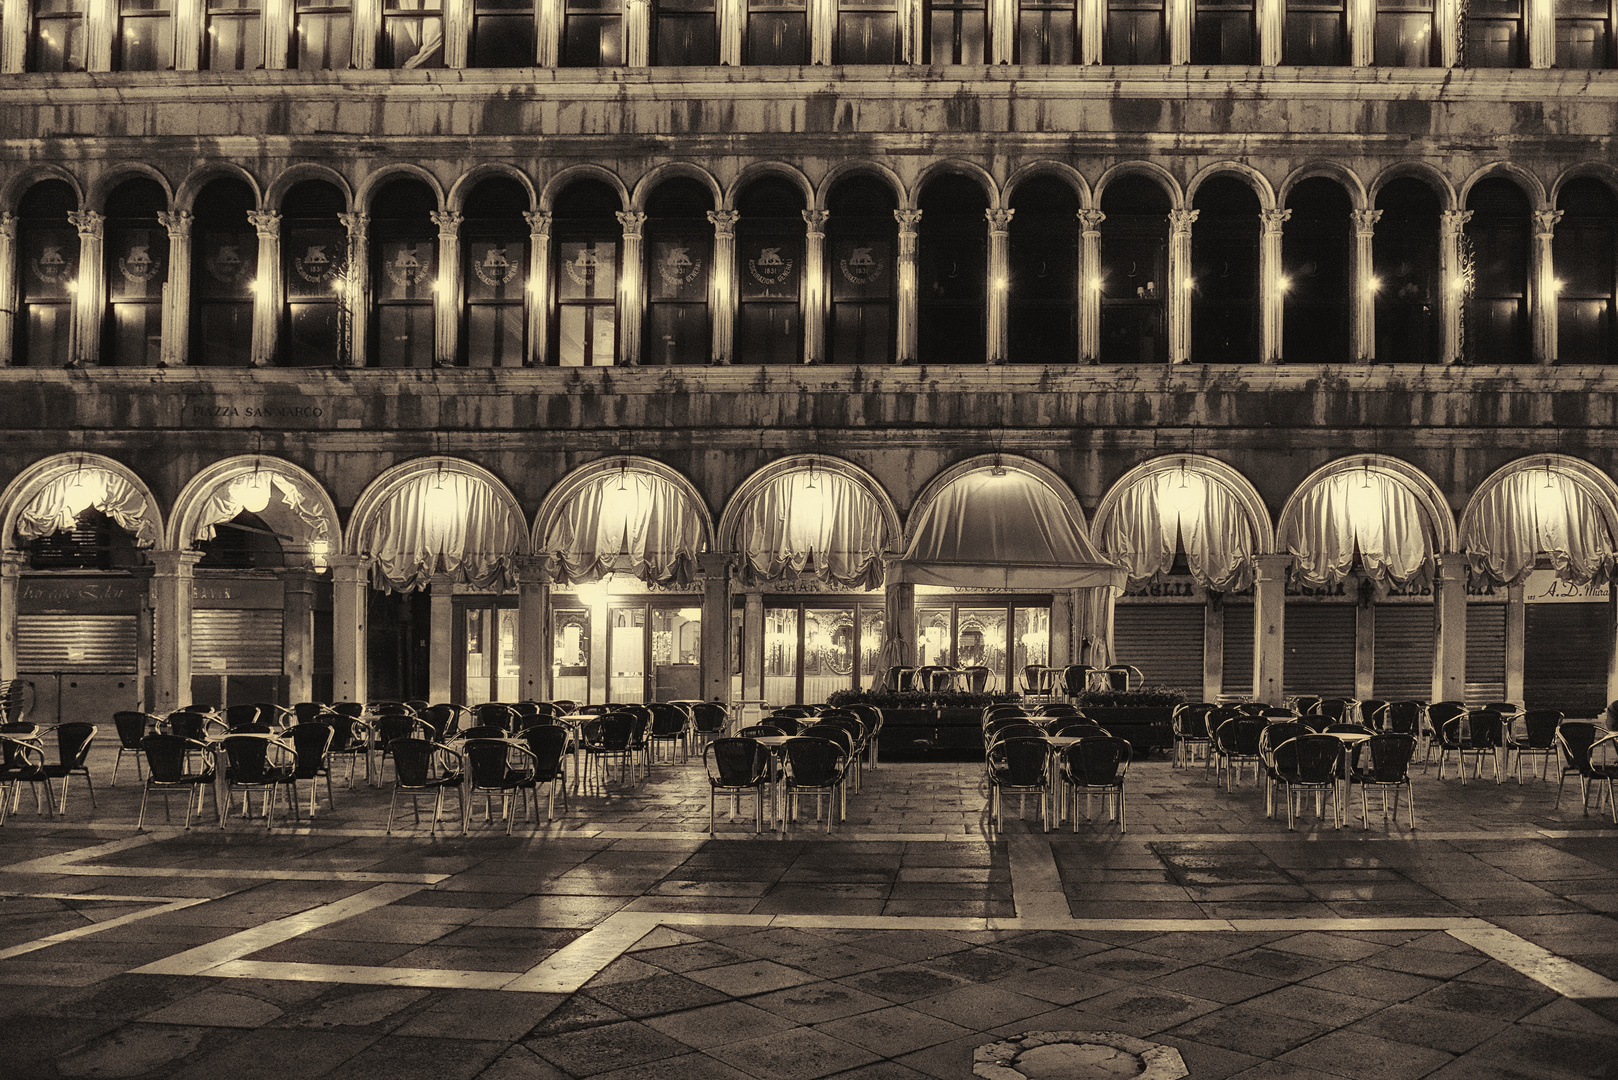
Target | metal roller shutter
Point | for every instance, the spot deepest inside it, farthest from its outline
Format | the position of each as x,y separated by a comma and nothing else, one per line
1238,651
102,644
238,642
1565,659
1404,652
1319,650
1485,653
1164,641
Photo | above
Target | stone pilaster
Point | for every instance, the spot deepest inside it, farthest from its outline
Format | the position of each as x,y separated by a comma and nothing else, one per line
1180,284
637,33
447,292
171,612
349,606
1090,285
1272,283
177,292
1269,628
533,618
12,564
539,284
88,303
1364,286
1545,287
267,286
999,282
814,286
722,291
10,293
908,305
298,632
631,292
1455,280
354,291
716,568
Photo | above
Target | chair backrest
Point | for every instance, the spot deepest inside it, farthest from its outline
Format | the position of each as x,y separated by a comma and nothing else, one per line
166,756
814,762
708,717
757,730
1004,708
1318,758
344,739
73,743
478,731
1337,710
441,718
1404,717
188,725
1278,732
977,678
488,761
847,721
899,679
1057,708
1035,679
736,763
1536,728
548,744
1012,730
832,733
1019,762
1440,711
1191,719
1245,734
131,727
799,711
1306,702
611,732
1347,729
307,712
1388,757
494,714
870,716
1373,713
415,705
1071,726
395,726
412,761
1485,728
238,717
1098,761
1575,738
249,757
391,708
788,723
310,742
351,709
1075,679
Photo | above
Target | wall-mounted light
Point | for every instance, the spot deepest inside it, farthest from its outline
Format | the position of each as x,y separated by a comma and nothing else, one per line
1373,284
998,468
1284,283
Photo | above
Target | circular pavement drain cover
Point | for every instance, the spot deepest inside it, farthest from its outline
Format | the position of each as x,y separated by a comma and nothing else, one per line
1077,1055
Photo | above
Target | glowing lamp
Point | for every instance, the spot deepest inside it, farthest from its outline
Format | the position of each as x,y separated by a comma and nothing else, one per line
255,493
85,490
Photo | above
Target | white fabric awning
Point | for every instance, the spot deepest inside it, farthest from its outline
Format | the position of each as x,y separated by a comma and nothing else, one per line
59,504
1539,512
1371,513
629,522
812,524
255,492
1165,511
443,523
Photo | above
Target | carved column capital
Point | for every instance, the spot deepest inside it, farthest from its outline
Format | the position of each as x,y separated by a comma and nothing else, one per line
539,222
1180,221
356,224
999,220
448,222
1451,222
909,220
1090,221
633,222
88,222
816,220
177,223
724,222
1365,222
1272,220
267,222
1545,223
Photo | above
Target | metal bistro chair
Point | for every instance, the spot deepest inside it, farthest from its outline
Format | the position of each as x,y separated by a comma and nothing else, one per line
1236,742
132,727
605,740
72,748
1275,734
1018,765
500,767
311,746
1573,741
1190,733
814,767
422,767
1388,757
168,769
1603,758
1438,713
1533,734
22,762
1096,765
549,745
1310,763
736,766
708,721
670,727
871,717
259,762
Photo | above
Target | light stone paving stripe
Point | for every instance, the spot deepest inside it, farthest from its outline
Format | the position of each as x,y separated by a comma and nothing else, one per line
425,978
1543,966
164,906
93,870
235,946
1036,884
52,864
576,963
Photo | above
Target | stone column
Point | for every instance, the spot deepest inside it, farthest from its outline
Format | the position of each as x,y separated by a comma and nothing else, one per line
277,36
533,619
350,604
441,637
1365,646
354,292
732,16
1272,283
1090,285
171,611
14,24
722,291
548,23
267,287
1447,25
753,647
188,19
637,33
1516,642
539,285
447,293
900,597
457,34
1364,286
177,292
1060,640
100,22
1271,15
1269,628
1092,30
1453,279
87,308
1179,14
600,676
909,222
1361,32
999,281
298,632
1180,284
1213,647
715,567
10,292
1542,49
631,294
1002,16
12,564
814,287
1449,629
822,18
1544,290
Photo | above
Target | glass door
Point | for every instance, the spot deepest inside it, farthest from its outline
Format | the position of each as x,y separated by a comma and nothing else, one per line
486,652
974,633
570,654
654,653
626,653
811,651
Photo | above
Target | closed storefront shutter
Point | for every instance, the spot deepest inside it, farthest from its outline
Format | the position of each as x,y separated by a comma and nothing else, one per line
1164,641
1565,659
103,644
1238,684
1404,652
1319,650
238,642
1485,653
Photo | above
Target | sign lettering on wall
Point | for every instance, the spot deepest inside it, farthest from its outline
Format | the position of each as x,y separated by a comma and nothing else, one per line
79,596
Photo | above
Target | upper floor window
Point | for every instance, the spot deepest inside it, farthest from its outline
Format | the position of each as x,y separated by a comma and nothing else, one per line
769,273
325,30
952,262
404,273
1584,251
862,249
503,34
412,34
1224,272
585,247
1134,272
1315,33
235,40
58,39
1047,32
1496,245
592,34
777,32
1316,249
1405,33
48,270
1044,281
957,31
1135,32
1406,264
679,262
137,268
867,31
1494,33
224,266
494,255
314,266
686,33
1223,33
145,35
1584,34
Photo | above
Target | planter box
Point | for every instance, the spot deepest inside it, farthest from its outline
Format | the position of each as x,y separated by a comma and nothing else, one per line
911,730
1147,729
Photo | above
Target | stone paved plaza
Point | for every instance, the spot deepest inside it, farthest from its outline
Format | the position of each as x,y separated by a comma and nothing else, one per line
621,942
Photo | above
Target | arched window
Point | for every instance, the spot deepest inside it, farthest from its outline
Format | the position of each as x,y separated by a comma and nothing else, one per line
777,32
952,263
1047,32
137,267
145,35
1406,265
314,264
679,264
1224,271
867,32
324,30
1406,33
48,269
957,31
494,258
586,239
862,247
1494,33
1315,33
1582,251
413,34
503,34
1224,33
1497,240
235,37
1135,32
1584,34
1317,247
224,265
404,273
685,32
1134,272
592,33
57,43
769,272
1043,304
